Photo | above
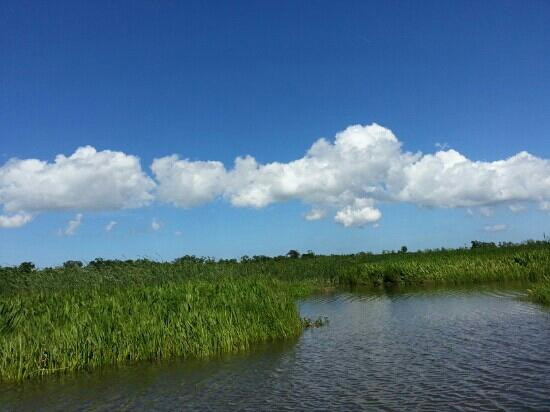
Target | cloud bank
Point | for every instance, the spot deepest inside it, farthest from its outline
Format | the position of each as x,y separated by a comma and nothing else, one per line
349,178
363,167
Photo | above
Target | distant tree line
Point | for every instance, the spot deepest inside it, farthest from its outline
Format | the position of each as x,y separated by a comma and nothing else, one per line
99,263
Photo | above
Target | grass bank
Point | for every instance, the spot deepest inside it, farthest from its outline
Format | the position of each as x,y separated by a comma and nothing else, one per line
57,320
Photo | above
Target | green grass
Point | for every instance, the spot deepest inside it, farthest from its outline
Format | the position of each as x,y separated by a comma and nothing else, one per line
540,293
459,267
59,320
45,333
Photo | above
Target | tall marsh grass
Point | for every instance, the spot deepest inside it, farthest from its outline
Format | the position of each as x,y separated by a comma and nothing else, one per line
50,332
458,267
540,293
76,317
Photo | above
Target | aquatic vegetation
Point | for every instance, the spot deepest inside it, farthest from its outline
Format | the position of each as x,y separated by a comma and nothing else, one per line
315,323
44,333
457,267
540,293
77,316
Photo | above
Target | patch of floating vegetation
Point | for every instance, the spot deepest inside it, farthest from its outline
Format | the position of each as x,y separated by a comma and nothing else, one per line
80,317
315,323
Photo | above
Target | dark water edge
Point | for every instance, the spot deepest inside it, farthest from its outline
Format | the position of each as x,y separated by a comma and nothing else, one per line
460,348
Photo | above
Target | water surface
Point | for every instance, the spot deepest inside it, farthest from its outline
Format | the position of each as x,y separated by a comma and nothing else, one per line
458,349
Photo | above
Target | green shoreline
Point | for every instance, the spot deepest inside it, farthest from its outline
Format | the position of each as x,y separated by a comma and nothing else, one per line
58,320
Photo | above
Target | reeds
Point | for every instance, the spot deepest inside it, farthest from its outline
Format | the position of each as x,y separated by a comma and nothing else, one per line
540,293
458,267
44,333
70,318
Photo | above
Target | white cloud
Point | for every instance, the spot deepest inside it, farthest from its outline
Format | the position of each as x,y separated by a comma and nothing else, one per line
348,178
448,179
315,214
73,225
495,228
15,220
110,226
363,163
155,225
359,214
85,180
331,174
177,233
186,183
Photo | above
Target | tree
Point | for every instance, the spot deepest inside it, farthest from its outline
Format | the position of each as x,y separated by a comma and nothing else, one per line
476,244
293,254
308,254
404,249
26,267
72,264
189,259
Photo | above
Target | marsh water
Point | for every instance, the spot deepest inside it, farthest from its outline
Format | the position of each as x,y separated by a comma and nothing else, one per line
482,348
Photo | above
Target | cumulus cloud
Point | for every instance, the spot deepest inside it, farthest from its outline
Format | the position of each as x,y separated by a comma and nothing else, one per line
495,228
364,166
73,225
355,166
15,220
448,179
86,180
110,226
186,183
349,177
358,214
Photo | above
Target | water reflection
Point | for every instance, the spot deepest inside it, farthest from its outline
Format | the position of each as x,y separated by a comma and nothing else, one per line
469,348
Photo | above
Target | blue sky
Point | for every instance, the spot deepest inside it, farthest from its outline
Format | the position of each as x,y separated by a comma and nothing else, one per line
211,81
